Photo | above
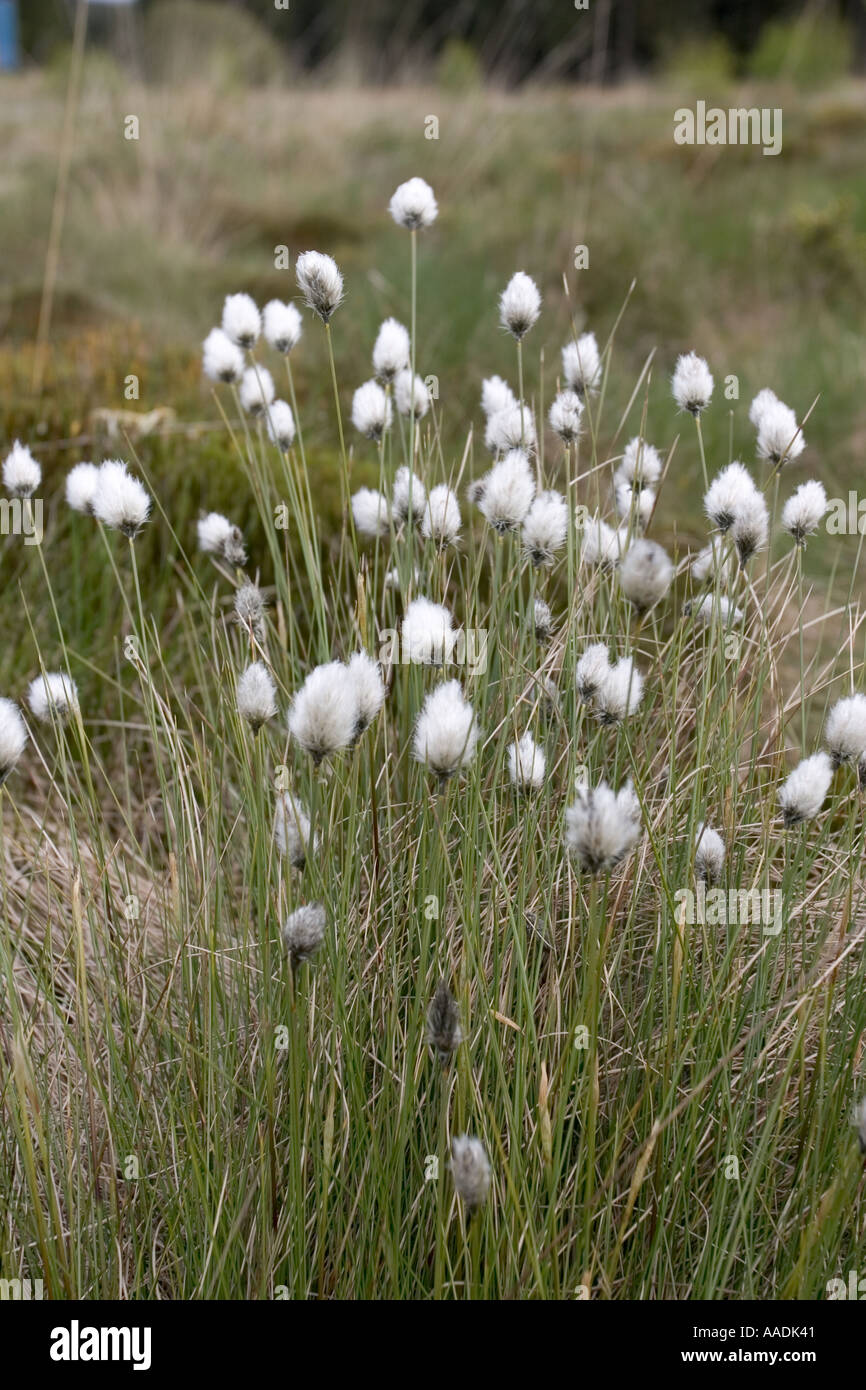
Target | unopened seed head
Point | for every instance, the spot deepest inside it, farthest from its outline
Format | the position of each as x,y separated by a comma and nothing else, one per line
471,1170
304,932
249,606
444,1033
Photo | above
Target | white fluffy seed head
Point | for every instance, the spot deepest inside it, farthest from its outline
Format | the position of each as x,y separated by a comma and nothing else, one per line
519,305
600,544
369,689
804,510
730,492
509,489
13,737
619,693
411,397
581,365
281,425
645,574
242,322
714,560
119,500
391,351
496,395
545,528
634,507
256,695
509,429
592,670
256,390
692,383
222,360
413,205
751,528
21,473
858,1119
283,325
440,519
292,830
471,1171
53,696
566,416
716,606
371,410
81,484
542,620
324,714
408,488
446,733
845,729
602,826
780,440
320,282
304,932
762,401
641,464
526,764
249,609
371,512
427,635
218,536
709,854
802,794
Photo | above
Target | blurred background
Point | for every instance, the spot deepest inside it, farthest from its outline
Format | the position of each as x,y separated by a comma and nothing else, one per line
156,153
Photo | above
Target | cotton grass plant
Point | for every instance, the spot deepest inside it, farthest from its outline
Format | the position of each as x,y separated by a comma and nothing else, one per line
344,956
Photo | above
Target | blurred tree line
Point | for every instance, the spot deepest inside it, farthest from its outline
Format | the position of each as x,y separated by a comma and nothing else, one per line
512,39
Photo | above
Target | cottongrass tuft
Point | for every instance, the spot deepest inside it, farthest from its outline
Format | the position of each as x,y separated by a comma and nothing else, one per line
635,507
709,854
283,325
320,282
859,1122
249,606
764,399
565,416
119,500
511,429
371,513
715,606
542,621
692,383
53,696
222,360
408,494
592,670
640,466
470,1167
366,675
371,410
281,425
256,695
81,484
519,305
619,693
21,473
427,634
292,830
802,794
600,544
845,729
526,764
440,519
324,714
242,322
751,529
496,395
411,395
304,932
413,205
780,439
714,560
446,732
218,536
256,390
13,737
581,365
804,511
391,351
602,826
509,489
732,490
444,1032
646,574
545,528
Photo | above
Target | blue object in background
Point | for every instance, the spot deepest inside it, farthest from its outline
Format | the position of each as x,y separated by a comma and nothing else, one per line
8,35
